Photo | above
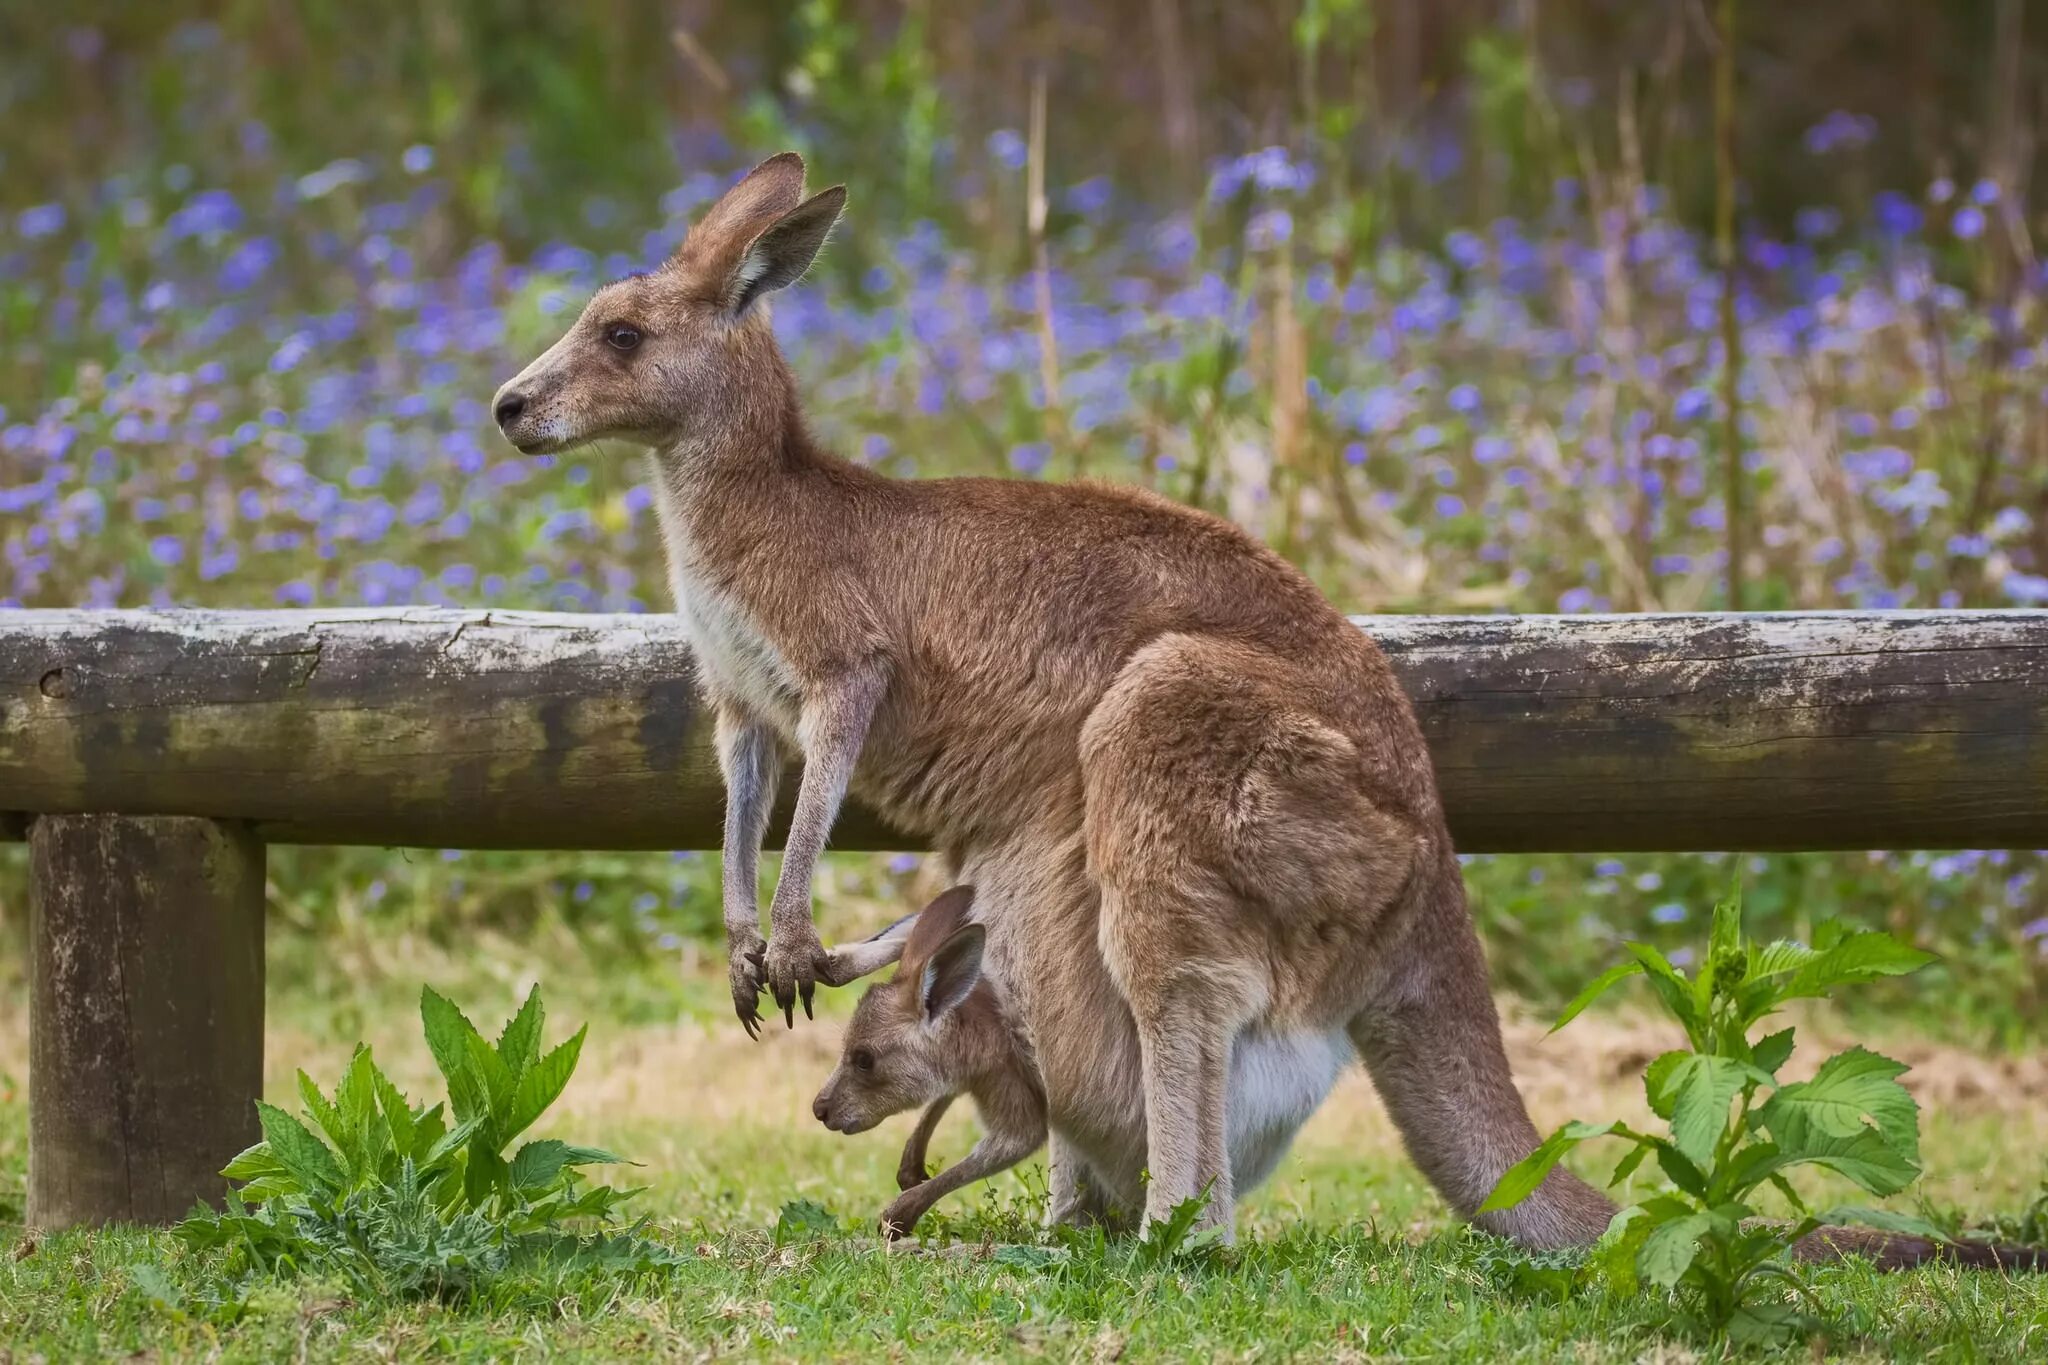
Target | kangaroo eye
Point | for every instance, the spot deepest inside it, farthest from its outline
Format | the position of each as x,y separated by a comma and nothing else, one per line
863,1060
622,336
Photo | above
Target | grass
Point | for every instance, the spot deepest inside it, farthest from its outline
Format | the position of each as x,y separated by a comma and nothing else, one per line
1347,1255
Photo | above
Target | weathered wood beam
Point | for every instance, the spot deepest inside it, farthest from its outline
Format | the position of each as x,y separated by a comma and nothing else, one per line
527,730
145,1014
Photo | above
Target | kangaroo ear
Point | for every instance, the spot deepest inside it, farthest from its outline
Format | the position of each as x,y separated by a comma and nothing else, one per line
781,255
951,973
760,196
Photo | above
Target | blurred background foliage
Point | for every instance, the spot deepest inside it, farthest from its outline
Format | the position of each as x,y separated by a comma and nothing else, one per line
1424,291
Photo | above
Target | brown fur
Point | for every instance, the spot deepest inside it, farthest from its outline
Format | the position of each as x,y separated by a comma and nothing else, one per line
1194,798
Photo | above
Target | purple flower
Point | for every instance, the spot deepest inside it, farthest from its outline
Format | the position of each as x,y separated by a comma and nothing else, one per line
1269,228
1030,459
1671,912
1968,223
1840,129
418,159
2026,587
44,220
1692,405
1008,148
1897,216
1090,197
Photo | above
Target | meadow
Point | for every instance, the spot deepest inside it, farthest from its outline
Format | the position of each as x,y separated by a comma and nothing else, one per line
245,365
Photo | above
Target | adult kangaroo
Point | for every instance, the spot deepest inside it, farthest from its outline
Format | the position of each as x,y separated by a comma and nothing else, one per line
1075,690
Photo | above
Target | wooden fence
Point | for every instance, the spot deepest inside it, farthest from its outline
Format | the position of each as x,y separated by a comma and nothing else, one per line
148,757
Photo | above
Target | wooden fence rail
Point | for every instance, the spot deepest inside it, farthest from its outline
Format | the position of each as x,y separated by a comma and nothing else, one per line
149,756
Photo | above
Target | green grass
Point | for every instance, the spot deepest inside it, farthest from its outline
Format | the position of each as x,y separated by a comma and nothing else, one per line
1347,1255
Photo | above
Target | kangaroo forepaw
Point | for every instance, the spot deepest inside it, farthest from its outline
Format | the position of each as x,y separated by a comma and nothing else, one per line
745,971
794,962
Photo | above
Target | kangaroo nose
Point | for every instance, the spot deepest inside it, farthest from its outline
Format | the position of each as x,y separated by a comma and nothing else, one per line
508,409
821,1109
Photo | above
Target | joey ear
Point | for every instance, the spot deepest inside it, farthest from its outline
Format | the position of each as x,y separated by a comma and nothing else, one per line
951,972
780,255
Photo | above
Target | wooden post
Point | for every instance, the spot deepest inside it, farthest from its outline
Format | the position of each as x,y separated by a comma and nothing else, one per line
145,1014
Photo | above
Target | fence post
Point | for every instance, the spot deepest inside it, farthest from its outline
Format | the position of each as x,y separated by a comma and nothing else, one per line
145,1014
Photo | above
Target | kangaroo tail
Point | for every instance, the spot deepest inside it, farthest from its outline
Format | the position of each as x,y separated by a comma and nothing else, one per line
1903,1251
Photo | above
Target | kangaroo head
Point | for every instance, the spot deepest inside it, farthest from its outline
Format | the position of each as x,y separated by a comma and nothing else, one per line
925,1033
685,350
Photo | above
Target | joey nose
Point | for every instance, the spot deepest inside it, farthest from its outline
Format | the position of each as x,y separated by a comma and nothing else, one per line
821,1109
509,407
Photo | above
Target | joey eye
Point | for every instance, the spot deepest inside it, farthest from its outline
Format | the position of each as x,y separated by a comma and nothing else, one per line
622,336
863,1060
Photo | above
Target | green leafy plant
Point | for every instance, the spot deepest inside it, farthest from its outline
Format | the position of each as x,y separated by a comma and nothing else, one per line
1735,1127
387,1197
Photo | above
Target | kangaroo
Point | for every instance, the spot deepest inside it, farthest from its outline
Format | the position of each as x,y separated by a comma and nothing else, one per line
940,1029
933,1033
1146,737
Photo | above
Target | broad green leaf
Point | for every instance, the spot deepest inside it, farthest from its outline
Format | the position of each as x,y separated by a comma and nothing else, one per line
1657,1078
448,1033
803,1219
1860,957
295,1148
1849,1087
1682,1172
427,1128
1776,958
1626,1167
1520,1180
399,1120
542,1085
494,1077
1866,1158
448,1145
1672,988
484,1176
1772,1051
253,1163
1700,1088
1670,1248
1599,987
1752,1164
519,1044
367,1139
279,1186
325,1114
536,1165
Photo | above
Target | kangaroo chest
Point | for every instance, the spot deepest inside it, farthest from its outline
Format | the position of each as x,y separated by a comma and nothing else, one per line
739,661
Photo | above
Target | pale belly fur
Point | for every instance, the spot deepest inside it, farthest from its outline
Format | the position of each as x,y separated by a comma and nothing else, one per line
1277,1082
